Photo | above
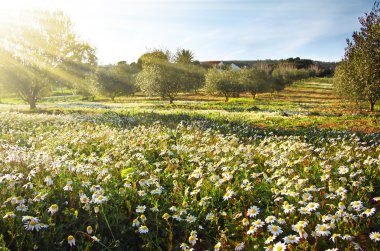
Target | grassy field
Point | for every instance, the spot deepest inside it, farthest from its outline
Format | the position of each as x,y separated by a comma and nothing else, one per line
303,105
296,170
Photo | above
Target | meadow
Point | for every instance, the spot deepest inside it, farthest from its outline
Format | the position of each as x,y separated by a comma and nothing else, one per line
297,170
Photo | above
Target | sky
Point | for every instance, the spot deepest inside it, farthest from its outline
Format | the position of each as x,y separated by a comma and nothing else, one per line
212,29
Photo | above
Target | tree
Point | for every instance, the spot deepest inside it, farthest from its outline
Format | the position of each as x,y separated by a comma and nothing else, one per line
192,76
115,80
183,56
254,80
357,76
224,82
44,51
153,57
163,79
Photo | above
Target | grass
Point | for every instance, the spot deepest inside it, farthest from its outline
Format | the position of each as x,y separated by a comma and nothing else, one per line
304,104
141,174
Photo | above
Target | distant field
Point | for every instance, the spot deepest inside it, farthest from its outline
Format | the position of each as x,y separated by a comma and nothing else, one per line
303,105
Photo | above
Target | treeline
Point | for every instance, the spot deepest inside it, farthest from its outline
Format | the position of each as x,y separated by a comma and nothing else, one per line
165,74
322,69
44,54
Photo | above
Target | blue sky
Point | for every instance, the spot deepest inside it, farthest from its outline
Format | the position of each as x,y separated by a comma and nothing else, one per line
212,29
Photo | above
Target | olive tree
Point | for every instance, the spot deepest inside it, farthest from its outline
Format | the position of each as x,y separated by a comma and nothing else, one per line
223,82
162,79
115,80
43,50
255,81
357,76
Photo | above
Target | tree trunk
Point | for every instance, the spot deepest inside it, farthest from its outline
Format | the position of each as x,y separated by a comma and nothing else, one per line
32,104
171,99
253,95
372,105
226,100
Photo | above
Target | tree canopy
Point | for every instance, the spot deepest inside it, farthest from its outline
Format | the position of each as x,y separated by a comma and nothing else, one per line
357,76
43,51
115,80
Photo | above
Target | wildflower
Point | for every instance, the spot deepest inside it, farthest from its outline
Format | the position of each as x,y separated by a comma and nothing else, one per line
357,205
184,246
347,237
89,230
32,224
307,197
95,238
217,246
258,223
275,230
191,218
334,237
96,210
99,199
253,211
279,246
270,239
140,209
245,222
239,246
322,230
252,230
292,239
48,181
341,191
326,218
375,236
343,170
84,199
143,229
210,216
369,212
135,223
193,239
22,208
9,215
270,219
177,217
228,194
166,216
281,221
312,206
71,240
288,208
142,217
154,209
53,209
141,193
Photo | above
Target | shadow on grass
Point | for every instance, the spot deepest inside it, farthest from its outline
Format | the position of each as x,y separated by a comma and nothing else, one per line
245,131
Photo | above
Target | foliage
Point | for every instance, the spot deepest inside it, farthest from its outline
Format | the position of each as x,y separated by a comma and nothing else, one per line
163,79
43,51
224,82
285,75
357,77
115,80
154,56
183,56
255,80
